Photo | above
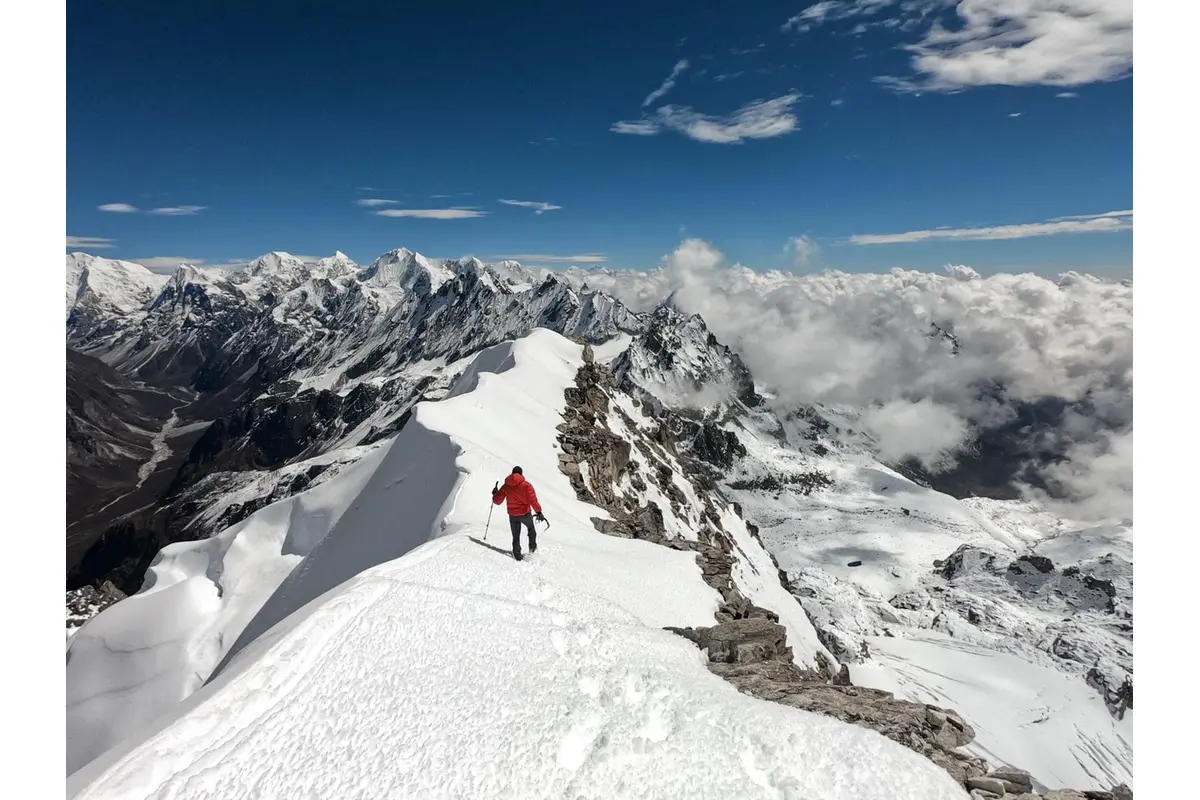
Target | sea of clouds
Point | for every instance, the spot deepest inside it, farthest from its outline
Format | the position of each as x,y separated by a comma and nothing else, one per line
864,340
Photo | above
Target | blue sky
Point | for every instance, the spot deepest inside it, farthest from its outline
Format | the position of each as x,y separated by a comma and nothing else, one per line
873,132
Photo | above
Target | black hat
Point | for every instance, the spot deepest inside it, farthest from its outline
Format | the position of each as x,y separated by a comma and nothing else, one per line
517,471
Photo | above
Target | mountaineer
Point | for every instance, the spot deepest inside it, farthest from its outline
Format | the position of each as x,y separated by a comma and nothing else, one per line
523,506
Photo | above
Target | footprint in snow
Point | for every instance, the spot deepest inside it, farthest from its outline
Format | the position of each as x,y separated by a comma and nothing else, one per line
540,595
577,745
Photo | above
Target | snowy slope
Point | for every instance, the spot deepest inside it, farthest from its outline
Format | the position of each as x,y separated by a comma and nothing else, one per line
1028,657
404,655
120,287
1023,713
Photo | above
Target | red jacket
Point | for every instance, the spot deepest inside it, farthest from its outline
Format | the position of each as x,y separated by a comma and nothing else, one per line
520,494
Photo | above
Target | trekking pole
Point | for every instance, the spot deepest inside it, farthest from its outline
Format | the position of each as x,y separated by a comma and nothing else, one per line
491,508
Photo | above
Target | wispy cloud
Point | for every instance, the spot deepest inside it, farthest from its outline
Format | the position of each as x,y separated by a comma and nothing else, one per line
1034,42
371,202
994,42
637,127
667,84
535,258
1082,223
538,208
177,211
1067,95
762,119
432,213
455,194
803,251
90,242
1015,114
118,208
813,15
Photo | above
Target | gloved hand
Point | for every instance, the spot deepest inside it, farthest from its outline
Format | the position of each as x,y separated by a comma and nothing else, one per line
495,488
540,517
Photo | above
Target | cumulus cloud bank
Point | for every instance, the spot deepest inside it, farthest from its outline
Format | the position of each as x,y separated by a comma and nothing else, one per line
865,340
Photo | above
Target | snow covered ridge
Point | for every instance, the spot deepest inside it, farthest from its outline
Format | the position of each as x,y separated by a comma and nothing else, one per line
376,640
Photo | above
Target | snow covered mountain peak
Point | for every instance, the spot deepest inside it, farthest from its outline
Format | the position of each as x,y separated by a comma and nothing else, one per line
278,263
103,285
336,266
410,271
679,362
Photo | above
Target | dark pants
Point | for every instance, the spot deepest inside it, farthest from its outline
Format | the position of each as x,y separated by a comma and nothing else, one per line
515,523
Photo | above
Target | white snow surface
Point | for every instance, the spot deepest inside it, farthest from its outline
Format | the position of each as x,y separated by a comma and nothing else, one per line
1029,708
1006,699
119,286
384,648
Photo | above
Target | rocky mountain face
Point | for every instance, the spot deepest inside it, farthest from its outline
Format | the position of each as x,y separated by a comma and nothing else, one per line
283,362
112,425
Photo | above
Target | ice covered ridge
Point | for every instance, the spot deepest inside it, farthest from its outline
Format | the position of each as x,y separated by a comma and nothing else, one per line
368,642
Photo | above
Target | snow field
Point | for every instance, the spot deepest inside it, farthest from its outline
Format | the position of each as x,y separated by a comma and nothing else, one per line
456,673
1016,707
138,658
1027,710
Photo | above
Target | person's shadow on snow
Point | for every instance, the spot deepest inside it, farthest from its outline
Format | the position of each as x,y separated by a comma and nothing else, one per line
499,550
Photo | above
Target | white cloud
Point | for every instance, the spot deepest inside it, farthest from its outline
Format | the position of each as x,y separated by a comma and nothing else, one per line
667,84
1114,214
924,430
119,208
177,211
371,202
1015,114
813,15
535,258
432,213
863,340
1085,223
836,102
1022,43
803,251
1096,476
831,10
1067,95
995,42
90,242
961,272
538,207
637,127
762,119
